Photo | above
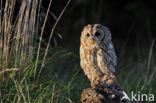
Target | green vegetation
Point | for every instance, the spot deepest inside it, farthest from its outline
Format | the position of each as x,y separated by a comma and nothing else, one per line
62,80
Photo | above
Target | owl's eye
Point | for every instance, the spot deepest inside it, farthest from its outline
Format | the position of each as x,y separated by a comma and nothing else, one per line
88,35
97,34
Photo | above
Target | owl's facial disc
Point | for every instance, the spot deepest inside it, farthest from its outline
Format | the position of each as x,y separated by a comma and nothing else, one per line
93,35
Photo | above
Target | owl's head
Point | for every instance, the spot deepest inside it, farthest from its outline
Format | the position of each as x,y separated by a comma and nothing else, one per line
95,34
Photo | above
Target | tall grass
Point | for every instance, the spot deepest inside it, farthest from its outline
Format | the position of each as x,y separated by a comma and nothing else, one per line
51,34
17,39
17,32
50,86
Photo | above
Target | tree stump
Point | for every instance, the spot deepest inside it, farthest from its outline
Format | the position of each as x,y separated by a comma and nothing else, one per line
104,90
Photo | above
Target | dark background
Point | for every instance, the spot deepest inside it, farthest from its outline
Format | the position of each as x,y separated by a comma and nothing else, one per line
132,22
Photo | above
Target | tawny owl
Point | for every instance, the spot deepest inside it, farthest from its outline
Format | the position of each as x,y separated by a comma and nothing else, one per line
97,55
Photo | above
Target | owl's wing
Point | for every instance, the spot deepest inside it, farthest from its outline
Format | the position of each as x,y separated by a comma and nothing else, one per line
112,59
112,54
109,56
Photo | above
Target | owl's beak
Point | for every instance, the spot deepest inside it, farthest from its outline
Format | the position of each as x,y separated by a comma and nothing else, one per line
93,38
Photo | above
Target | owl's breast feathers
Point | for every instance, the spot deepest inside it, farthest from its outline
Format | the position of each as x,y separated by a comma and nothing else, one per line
96,62
88,63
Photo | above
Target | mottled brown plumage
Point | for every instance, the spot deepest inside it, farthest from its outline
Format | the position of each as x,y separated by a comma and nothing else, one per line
97,53
91,96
